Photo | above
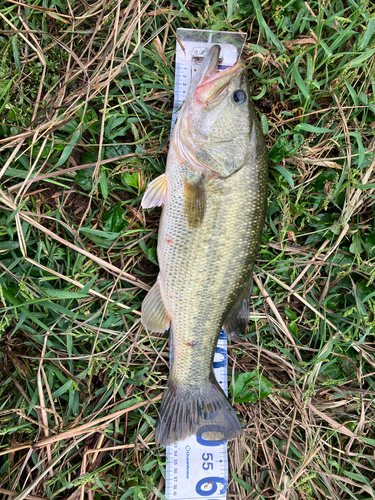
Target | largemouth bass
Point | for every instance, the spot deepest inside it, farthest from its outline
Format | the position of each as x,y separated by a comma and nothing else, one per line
214,196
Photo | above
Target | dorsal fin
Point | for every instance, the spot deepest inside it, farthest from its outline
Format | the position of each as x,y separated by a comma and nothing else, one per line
238,318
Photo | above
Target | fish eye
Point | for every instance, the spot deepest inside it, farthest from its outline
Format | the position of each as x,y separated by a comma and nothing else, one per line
239,97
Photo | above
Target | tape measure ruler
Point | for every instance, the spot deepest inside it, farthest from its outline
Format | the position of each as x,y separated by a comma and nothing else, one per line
197,468
191,52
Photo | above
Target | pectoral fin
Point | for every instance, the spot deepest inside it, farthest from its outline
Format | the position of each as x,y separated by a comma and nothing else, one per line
154,314
194,202
156,193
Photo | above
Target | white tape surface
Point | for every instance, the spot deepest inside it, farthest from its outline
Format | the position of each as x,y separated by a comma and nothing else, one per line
197,468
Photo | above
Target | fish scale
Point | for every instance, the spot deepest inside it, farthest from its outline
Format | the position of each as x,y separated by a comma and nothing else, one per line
219,258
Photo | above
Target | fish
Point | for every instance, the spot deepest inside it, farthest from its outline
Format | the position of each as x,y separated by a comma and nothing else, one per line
214,197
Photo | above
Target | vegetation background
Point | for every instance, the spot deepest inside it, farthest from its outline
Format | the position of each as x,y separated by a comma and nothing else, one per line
86,93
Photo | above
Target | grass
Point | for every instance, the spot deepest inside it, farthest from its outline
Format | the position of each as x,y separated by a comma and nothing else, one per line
86,93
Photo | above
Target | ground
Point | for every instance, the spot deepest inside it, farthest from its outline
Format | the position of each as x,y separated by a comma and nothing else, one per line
86,94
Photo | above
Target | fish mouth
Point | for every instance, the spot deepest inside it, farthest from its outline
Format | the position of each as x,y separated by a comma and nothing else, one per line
212,82
209,82
206,69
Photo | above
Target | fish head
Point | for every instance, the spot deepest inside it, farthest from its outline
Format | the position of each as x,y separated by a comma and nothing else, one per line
215,132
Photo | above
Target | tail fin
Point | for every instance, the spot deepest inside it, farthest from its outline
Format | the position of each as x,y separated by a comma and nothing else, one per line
204,411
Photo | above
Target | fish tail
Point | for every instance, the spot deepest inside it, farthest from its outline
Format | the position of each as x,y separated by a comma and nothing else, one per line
202,411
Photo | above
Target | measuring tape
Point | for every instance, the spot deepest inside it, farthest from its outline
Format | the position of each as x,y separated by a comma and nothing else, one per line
191,52
198,468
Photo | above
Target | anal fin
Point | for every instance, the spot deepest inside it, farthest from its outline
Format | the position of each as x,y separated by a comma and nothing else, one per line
156,192
154,314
